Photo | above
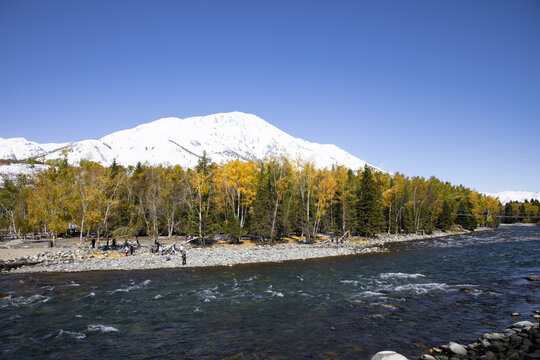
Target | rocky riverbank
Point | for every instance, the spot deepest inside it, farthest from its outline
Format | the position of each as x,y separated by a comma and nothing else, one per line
520,341
86,259
517,342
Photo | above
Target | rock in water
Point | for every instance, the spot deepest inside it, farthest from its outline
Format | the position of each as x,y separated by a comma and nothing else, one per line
388,355
522,324
494,336
457,348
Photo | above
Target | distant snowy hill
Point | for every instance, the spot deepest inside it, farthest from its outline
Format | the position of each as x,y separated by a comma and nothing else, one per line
507,196
20,148
173,141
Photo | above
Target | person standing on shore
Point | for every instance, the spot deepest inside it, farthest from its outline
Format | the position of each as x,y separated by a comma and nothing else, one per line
184,256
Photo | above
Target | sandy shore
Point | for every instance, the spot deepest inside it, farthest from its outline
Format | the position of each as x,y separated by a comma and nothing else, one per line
77,259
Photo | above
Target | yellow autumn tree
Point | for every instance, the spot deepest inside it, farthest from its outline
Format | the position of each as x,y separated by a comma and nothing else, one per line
50,200
325,191
236,183
306,177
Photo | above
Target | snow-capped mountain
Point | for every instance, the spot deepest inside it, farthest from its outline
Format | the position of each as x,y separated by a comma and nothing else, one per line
173,141
507,196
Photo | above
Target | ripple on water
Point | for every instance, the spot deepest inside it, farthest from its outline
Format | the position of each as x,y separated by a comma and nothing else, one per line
422,288
102,328
275,293
207,295
22,301
400,275
71,334
132,286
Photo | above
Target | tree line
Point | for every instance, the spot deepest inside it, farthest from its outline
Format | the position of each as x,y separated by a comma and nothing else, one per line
521,212
266,200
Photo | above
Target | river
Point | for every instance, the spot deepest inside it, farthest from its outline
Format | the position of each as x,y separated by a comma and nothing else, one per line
418,294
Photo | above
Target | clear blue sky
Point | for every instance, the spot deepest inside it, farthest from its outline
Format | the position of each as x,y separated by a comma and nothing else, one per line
443,88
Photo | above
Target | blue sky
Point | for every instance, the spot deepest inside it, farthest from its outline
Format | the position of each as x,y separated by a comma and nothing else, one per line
443,88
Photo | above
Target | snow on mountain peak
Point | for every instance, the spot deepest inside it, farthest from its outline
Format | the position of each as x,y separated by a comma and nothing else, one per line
170,141
508,196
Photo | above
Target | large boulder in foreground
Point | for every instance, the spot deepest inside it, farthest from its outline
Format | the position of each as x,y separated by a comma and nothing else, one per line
388,355
457,349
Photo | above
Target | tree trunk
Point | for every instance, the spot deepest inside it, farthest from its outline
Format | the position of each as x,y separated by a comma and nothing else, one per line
274,216
389,217
343,215
200,221
307,215
13,222
81,235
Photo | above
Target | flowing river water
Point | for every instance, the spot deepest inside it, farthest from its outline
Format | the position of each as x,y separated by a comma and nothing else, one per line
418,294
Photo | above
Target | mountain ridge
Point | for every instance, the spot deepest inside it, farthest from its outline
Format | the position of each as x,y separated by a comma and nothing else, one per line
175,141
185,140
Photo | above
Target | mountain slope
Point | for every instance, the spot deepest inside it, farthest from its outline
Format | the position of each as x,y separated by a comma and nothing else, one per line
507,196
20,148
174,141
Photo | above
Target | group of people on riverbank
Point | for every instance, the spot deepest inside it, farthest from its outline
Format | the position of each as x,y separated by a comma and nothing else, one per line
181,250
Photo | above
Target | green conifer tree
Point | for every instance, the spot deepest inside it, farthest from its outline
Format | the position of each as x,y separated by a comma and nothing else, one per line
369,211
445,218
508,213
464,216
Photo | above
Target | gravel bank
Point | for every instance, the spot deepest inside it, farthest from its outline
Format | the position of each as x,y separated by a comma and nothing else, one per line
86,260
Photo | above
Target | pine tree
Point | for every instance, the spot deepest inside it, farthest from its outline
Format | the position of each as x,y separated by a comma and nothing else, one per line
232,228
522,213
407,219
508,213
369,213
464,216
445,218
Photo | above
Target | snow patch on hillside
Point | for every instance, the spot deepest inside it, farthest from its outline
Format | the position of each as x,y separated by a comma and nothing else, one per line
12,170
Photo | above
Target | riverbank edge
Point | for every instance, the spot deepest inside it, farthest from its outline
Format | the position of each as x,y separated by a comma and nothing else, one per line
218,256
520,340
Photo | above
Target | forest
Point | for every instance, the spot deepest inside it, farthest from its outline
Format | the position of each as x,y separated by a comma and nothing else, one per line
265,200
